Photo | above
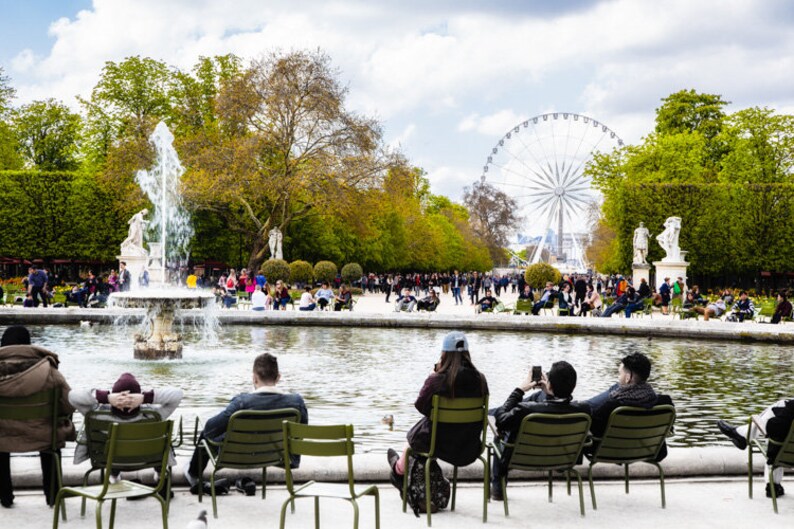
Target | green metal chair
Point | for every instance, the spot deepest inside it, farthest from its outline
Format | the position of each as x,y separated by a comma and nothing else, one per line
42,407
546,442
453,411
523,306
131,446
632,435
783,459
95,436
323,441
254,439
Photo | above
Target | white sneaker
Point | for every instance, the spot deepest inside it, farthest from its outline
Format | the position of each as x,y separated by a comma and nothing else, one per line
114,479
188,477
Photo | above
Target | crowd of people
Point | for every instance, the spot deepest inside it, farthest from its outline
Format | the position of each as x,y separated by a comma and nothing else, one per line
26,369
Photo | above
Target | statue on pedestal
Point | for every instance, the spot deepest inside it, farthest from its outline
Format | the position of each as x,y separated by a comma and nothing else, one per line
668,240
133,244
275,243
641,235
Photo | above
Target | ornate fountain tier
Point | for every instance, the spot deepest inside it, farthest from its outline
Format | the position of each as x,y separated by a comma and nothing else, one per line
157,339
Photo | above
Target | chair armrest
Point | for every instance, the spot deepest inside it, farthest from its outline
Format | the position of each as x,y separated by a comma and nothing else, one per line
180,436
195,431
754,422
206,444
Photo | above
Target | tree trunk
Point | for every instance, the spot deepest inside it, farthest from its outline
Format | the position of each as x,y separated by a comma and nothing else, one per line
258,254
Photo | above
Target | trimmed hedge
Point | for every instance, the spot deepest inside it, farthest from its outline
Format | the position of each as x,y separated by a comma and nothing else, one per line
325,271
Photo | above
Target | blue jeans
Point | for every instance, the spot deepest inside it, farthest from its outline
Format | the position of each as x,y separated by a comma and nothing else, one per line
456,295
599,400
310,307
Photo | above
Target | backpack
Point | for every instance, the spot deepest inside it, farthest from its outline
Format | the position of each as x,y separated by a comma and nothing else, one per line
439,486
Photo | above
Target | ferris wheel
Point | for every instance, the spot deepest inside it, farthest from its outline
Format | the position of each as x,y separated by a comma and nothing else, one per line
540,164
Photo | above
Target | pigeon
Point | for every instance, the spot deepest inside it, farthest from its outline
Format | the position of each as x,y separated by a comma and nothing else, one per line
198,523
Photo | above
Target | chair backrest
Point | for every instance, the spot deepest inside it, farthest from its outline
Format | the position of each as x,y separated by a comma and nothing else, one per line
318,441
135,445
255,438
97,432
41,406
785,456
547,441
635,434
458,411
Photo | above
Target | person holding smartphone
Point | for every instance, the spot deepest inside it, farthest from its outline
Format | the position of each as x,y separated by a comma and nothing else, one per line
553,393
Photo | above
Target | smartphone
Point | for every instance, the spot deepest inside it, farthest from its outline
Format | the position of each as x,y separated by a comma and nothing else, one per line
537,373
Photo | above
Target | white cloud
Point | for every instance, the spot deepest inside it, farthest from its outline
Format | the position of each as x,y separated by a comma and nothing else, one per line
398,141
24,61
492,125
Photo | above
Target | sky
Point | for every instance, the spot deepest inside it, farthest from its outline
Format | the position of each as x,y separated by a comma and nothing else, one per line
446,78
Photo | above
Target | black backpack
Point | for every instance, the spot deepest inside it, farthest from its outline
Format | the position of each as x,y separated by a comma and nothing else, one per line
439,486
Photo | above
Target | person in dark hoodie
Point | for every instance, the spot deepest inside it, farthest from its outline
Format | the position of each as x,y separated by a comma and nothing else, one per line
26,369
454,376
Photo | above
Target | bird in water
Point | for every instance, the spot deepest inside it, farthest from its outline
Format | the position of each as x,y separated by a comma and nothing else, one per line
388,420
198,523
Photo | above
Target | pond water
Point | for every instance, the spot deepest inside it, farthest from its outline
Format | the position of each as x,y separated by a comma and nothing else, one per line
359,375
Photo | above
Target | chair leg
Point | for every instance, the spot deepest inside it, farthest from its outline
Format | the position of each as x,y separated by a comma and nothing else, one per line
112,513
59,483
283,517
264,482
750,470
771,486
85,484
377,508
406,473
592,487
168,492
454,486
504,495
485,489
550,486
316,512
98,515
568,481
59,499
212,493
581,489
165,506
201,474
355,514
626,477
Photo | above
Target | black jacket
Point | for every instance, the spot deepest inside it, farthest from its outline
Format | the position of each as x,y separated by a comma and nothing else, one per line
510,414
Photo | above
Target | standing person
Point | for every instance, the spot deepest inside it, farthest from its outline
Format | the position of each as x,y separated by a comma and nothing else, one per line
37,286
580,287
453,376
113,281
456,281
387,288
125,278
664,293
27,369
265,396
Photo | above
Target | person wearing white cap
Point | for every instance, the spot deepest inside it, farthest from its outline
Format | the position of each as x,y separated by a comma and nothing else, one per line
453,376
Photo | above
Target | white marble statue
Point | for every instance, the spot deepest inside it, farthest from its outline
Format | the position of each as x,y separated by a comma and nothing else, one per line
275,243
641,235
668,240
133,244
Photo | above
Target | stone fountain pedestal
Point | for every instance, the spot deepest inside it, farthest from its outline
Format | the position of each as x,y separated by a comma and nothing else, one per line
158,340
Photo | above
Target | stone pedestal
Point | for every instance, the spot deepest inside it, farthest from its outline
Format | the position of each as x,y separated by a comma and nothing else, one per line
156,266
135,264
673,270
640,271
161,341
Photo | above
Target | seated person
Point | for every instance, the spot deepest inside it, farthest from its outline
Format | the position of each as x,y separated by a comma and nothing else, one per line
712,310
554,395
697,297
592,301
259,299
526,294
265,396
774,422
429,303
644,290
783,308
545,298
634,302
727,296
689,301
27,369
125,400
324,295
405,301
743,308
281,296
619,304
343,299
631,389
76,295
565,299
29,302
487,302
307,300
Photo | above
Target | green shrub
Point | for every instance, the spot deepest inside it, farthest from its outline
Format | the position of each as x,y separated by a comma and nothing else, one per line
276,269
351,272
300,272
538,274
325,271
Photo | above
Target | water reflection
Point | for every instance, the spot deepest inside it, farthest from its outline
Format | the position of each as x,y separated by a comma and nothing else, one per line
360,375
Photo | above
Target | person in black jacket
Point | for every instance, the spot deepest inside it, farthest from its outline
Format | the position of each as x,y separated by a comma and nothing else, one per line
454,376
631,389
554,395
774,422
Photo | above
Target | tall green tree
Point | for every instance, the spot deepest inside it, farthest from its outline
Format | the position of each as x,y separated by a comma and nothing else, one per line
48,135
9,155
